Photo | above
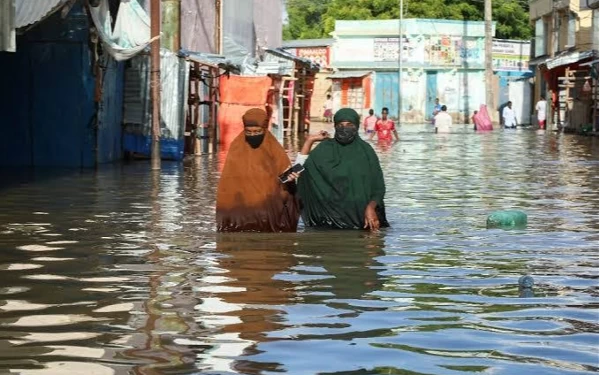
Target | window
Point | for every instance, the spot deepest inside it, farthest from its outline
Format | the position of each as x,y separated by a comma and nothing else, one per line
540,37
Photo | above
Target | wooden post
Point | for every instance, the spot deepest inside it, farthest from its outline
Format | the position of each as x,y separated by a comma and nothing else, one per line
155,83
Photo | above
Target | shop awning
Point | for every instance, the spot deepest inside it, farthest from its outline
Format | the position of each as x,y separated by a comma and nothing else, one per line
349,74
567,58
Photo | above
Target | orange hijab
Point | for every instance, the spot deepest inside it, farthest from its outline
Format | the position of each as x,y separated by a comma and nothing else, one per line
250,196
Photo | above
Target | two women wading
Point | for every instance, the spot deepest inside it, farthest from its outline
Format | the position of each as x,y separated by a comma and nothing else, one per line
341,187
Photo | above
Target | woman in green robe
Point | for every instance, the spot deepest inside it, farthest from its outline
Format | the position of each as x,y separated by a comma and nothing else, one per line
342,185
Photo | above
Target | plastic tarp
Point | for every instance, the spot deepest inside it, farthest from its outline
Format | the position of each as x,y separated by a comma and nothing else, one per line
482,119
137,114
239,94
131,34
8,35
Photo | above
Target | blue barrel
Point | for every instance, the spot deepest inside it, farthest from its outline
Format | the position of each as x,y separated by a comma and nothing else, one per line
507,219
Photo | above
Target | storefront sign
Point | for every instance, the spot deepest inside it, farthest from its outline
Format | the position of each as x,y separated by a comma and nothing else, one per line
510,56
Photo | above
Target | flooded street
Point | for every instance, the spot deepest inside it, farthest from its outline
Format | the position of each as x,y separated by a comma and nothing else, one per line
121,272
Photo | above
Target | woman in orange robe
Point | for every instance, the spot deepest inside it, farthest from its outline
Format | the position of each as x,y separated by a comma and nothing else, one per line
250,197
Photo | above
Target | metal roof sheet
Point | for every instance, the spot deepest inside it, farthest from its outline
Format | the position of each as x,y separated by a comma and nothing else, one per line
349,74
569,57
28,12
210,59
288,56
304,43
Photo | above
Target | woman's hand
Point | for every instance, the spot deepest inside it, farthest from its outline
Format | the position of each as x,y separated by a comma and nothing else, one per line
293,177
371,219
319,136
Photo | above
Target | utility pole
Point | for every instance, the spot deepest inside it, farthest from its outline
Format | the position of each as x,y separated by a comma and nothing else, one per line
155,83
489,73
400,49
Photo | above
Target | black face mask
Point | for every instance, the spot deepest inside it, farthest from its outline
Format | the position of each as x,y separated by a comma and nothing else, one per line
255,140
345,134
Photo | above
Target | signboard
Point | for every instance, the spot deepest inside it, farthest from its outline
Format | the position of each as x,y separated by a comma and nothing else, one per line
510,56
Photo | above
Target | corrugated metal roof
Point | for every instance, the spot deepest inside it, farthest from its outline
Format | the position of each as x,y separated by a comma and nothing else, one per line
288,56
210,59
569,57
349,74
28,12
304,43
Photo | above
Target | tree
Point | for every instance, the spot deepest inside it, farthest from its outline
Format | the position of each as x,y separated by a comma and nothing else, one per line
316,18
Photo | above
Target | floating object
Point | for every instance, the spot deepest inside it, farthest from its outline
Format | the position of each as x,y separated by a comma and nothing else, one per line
526,281
526,287
507,219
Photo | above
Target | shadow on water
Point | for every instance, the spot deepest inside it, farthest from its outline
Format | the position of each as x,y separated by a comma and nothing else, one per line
120,271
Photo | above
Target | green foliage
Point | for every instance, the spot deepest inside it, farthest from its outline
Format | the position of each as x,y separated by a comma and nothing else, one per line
316,18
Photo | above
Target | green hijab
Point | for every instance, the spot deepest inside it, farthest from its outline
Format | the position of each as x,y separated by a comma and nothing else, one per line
347,114
339,181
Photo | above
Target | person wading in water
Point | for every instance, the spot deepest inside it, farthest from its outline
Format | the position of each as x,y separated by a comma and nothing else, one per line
250,197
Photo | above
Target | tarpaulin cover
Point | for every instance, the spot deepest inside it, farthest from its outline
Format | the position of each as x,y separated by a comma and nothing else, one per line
238,94
131,33
482,119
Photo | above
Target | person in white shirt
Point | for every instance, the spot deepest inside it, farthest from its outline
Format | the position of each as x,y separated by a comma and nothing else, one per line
540,107
509,116
443,121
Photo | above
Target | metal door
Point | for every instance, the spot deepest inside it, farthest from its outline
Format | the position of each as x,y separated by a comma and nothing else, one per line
431,93
386,92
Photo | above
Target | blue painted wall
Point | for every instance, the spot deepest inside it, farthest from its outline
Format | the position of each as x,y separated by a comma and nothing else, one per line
49,114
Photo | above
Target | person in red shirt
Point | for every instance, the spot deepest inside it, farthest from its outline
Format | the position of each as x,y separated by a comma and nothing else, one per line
385,127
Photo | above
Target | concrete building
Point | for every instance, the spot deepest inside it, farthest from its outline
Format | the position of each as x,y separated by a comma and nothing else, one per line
565,50
440,59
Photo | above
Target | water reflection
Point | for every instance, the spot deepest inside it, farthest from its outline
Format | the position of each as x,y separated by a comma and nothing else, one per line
120,271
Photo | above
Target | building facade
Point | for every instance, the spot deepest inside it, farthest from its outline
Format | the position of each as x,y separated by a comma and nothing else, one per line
440,59
565,50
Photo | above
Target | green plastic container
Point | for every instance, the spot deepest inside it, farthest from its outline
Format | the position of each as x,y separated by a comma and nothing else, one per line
507,219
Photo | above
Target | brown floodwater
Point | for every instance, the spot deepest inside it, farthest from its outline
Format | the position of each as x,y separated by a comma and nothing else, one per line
120,271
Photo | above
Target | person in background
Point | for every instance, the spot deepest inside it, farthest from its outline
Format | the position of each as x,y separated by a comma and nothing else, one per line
436,109
384,128
474,120
443,121
250,197
509,116
342,185
370,122
540,107
328,109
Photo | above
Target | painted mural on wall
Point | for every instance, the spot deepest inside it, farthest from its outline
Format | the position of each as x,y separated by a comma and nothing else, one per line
431,51
510,55
319,55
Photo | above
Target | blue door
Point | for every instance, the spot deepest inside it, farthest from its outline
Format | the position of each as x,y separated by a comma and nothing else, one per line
431,93
386,92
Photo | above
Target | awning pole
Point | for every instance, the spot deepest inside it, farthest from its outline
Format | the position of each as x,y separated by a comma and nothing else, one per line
155,83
